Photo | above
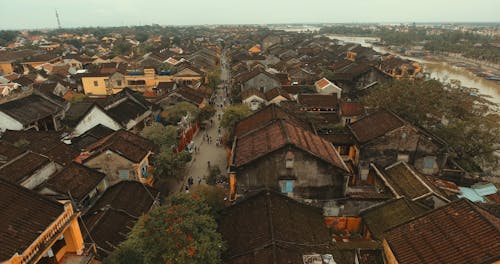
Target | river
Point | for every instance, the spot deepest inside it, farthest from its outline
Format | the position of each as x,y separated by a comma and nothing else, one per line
438,70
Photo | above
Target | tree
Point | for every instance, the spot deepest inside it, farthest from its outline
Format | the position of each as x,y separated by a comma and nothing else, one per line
164,136
213,174
170,165
233,115
182,231
206,113
212,195
213,78
141,36
472,128
175,113
121,47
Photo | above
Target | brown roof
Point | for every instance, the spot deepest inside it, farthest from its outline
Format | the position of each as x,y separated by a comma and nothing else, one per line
111,218
8,151
351,109
459,232
191,95
252,91
404,181
375,125
318,100
339,139
267,224
30,109
243,77
275,92
278,134
124,143
75,179
43,142
384,216
21,169
264,116
24,214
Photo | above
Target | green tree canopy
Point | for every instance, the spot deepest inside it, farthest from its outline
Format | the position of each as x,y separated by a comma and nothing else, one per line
471,126
233,115
174,114
121,47
164,136
170,165
182,231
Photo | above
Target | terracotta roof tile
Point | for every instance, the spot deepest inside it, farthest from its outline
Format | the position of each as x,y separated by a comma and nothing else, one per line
375,125
277,134
459,233
351,109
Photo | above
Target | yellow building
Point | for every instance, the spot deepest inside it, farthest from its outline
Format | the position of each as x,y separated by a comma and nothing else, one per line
36,229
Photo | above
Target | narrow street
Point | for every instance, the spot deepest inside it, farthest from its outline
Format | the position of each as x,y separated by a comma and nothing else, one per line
209,153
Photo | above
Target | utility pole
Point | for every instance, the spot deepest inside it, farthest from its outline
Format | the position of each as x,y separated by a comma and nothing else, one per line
58,21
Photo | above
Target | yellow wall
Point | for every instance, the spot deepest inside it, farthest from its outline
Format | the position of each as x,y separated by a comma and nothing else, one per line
90,88
6,68
389,256
149,180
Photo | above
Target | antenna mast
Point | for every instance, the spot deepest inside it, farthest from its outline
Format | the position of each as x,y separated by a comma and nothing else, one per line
58,21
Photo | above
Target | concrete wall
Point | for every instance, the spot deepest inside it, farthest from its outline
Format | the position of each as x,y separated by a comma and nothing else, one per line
261,81
90,88
110,163
7,122
40,176
313,176
94,117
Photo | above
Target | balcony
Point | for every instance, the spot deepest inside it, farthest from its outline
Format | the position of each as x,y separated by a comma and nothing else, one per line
86,258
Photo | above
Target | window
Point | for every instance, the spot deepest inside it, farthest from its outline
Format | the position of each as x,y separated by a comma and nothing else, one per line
118,83
403,157
144,170
344,150
124,174
289,160
364,174
347,121
286,186
96,83
429,162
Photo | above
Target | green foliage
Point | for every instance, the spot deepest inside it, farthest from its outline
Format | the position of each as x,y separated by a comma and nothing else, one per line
124,255
472,130
78,98
175,113
21,143
7,36
182,231
121,47
206,113
164,136
214,78
233,115
212,195
170,165
141,36
213,173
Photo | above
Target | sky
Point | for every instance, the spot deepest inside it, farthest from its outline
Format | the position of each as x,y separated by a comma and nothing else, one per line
30,14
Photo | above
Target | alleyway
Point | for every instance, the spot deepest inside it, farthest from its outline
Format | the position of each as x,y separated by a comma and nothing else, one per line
209,152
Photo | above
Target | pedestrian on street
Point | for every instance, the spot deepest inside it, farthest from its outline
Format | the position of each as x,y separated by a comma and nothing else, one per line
208,163
199,181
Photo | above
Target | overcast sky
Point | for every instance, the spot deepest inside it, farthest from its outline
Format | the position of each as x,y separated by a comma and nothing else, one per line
40,14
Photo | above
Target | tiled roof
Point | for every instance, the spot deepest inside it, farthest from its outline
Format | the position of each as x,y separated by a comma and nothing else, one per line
459,233
322,83
264,116
278,134
405,181
91,136
23,167
75,179
124,143
29,109
252,91
43,142
318,100
375,125
384,216
348,109
275,92
24,214
268,223
191,95
111,218
8,151
126,111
